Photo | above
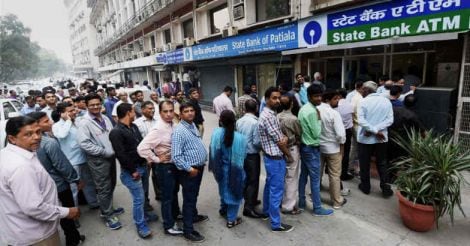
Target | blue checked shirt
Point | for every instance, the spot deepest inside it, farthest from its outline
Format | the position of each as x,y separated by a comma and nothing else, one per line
270,132
187,148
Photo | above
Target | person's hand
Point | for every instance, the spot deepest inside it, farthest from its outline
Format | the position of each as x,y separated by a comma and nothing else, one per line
193,172
65,116
74,213
380,136
165,157
283,141
136,175
80,185
412,87
367,134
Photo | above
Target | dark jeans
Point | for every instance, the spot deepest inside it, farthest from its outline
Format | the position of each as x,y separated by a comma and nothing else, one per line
252,170
365,153
156,184
191,187
347,149
72,236
167,175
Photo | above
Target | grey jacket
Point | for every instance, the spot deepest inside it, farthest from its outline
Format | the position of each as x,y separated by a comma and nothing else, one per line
93,139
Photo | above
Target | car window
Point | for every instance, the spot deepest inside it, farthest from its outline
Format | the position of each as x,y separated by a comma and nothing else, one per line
17,105
8,108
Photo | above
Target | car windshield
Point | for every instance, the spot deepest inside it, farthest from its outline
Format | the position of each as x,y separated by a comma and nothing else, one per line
17,105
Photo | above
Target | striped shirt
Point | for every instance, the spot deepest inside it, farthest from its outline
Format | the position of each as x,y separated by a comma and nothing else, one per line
187,148
270,132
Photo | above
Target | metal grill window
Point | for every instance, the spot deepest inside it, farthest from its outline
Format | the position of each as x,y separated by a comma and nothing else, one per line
466,81
464,140
467,55
465,118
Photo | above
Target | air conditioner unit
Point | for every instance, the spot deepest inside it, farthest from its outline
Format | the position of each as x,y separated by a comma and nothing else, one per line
229,31
188,42
235,2
238,12
158,50
169,46
166,47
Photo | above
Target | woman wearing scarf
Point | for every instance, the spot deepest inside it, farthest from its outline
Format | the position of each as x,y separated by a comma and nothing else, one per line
227,154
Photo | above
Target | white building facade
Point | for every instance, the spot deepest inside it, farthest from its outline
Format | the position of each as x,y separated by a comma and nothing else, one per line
82,39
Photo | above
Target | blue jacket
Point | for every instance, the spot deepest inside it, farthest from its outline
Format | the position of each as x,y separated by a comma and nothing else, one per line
56,163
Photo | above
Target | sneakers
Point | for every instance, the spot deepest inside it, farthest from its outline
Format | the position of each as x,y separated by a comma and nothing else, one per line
345,192
200,218
151,217
144,232
322,212
341,205
113,223
264,216
116,212
283,228
174,231
194,237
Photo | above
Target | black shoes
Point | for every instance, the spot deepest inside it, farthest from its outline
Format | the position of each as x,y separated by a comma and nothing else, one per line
346,177
264,216
387,192
284,228
194,237
364,190
200,218
252,214
82,239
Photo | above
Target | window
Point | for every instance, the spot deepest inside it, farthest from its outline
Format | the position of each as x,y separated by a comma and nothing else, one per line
271,9
188,29
167,35
152,41
219,19
7,109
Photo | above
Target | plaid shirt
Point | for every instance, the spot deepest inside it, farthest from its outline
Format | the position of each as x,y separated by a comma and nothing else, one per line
241,104
270,132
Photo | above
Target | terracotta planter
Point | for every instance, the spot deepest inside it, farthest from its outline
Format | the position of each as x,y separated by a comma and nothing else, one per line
416,217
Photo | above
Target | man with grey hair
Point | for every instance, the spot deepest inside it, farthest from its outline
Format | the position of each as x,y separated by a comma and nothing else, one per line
375,115
317,80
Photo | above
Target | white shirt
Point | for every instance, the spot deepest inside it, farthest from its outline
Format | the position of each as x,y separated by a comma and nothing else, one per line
48,110
221,103
145,125
346,110
114,113
29,205
332,130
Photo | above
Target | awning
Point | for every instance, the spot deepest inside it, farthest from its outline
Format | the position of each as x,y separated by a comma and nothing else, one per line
113,74
394,40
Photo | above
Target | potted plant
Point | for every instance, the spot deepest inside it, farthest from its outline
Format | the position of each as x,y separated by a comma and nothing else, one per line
429,178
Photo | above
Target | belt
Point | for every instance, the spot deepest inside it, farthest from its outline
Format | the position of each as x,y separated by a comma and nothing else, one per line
274,157
311,146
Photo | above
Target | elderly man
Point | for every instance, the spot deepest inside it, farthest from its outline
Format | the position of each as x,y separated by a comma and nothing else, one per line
123,98
223,102
375,115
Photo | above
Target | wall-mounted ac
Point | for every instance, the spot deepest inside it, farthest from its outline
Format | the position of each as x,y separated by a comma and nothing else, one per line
169,46
158,50
238,12
235,2
229,31
188,42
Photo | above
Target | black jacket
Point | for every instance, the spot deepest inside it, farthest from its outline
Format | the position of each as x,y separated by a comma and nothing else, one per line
125,141
198,119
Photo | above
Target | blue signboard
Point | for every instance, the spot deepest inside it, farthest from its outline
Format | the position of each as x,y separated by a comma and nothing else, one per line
171,57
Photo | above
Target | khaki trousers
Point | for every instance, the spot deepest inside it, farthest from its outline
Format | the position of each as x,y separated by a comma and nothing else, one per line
333,164
53,240
291,181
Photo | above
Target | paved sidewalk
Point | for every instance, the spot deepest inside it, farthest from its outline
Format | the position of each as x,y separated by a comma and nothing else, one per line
365,220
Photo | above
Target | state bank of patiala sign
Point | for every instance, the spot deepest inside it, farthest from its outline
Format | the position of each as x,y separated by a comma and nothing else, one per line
385,20
371,22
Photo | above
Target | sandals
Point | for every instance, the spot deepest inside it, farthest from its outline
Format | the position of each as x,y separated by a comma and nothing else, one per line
231,224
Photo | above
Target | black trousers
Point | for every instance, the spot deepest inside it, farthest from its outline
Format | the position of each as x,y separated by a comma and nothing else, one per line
252,170
155,183
347,149
72,236
365,153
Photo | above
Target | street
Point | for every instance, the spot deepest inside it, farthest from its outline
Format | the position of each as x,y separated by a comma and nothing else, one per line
365,220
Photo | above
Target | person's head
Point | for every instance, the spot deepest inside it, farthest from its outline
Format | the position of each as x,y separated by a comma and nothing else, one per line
368,88
299,78
383,79
317,76
410,101
246,90
296,87
228,91
254,88
133,98
388,84
67,108
50,98
358,84
30,101
251,106
93,103
72,91
139,96
272,97
400,82
331,97
286,102
227,121
145,83
80,103
343,92
122,96
395,92
148,109
44,122
60,92
40,101
194,94
187,112
130,84
166,109
154,96
283,88
180,96
67,99
24,132
111,91
125,112
314,93
13,93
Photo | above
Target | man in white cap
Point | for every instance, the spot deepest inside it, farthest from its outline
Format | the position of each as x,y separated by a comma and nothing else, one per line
375,115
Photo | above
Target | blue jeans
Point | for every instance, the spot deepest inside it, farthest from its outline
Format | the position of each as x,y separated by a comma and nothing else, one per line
274,189
191,187
137,192
310,167
167,176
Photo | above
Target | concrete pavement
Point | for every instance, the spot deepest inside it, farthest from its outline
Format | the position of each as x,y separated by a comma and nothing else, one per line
365,220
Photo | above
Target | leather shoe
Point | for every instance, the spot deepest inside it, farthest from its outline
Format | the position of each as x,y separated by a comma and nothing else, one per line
251,213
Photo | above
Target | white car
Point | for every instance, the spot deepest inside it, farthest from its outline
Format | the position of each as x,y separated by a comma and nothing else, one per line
8,108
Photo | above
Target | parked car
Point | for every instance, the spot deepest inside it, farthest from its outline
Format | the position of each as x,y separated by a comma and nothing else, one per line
8,108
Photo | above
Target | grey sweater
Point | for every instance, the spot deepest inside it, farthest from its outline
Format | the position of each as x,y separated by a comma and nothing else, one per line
93,139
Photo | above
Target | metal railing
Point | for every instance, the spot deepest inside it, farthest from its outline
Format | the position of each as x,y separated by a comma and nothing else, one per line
141,16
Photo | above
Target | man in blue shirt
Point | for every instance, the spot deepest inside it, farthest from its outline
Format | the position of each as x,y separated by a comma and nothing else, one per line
109,103
189,154
375,115
30,106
